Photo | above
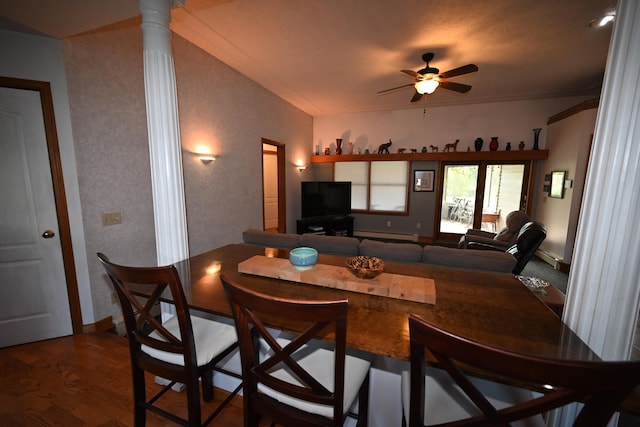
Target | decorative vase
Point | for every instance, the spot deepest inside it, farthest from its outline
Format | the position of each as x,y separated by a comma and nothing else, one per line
350,147
508,148
536,137
478,144
327,151
521,146
339,144
493,145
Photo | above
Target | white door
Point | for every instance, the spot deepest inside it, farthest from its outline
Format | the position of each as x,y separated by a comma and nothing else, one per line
270,179
34,304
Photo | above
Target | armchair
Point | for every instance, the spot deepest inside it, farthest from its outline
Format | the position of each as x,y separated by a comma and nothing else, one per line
504,239
531,235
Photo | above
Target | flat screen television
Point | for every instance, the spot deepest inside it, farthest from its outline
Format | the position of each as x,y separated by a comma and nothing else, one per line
320,198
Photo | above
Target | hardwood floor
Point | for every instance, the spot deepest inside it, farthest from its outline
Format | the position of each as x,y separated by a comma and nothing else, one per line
82,380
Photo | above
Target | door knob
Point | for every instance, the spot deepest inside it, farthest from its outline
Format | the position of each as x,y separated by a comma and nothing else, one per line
48,234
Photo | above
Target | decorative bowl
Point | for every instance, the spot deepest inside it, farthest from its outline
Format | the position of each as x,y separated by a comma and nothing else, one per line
303,258
365,267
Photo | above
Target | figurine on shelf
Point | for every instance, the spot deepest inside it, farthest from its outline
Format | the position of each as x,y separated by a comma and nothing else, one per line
521,145
424,149
401,150
453,146
434,148
384,148
327,151
414,150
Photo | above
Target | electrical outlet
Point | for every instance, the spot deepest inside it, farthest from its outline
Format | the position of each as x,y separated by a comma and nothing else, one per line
388,223
111,218
418,225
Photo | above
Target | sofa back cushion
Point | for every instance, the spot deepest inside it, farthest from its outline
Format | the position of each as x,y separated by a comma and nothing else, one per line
273,240
470,259
331,245
402,252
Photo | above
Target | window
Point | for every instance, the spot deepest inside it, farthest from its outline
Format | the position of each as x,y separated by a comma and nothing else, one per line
377,186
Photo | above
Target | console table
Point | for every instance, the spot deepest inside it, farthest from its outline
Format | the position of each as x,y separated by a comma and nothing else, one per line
331,225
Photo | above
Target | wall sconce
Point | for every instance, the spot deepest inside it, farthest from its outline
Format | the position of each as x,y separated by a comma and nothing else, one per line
301,168
206,159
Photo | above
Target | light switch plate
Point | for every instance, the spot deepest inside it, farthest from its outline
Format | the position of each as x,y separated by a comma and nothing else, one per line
111,218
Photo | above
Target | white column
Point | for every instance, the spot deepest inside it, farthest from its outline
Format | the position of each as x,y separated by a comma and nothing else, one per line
164,133
604,283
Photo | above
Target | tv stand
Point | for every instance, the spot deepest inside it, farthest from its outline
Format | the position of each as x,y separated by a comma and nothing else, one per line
331,225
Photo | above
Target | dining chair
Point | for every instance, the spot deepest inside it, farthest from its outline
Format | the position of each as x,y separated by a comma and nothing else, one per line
295,379
600,386
182,350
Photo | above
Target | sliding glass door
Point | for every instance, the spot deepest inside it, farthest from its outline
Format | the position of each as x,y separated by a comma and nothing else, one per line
480,195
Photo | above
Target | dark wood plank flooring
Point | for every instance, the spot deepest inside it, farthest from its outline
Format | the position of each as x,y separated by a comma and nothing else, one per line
82,380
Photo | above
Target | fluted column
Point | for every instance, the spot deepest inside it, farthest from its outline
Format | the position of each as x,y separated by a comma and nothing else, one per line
604,283
164,133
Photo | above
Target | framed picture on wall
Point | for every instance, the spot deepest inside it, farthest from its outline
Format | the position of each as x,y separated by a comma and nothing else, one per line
423,180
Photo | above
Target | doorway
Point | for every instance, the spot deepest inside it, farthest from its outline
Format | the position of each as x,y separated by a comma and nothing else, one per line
273,186
39,291
480,195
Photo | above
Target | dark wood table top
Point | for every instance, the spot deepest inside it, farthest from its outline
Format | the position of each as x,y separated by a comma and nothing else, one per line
489,307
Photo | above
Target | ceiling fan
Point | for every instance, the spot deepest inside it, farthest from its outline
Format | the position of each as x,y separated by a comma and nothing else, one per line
427,80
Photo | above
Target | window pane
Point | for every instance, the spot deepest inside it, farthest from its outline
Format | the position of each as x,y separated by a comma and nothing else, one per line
389,186
358,174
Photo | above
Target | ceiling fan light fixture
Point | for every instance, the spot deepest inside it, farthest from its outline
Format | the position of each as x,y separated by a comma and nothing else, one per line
426,86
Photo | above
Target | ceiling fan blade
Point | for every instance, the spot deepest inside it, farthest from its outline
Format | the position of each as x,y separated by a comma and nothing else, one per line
412,73
394,88
466,69
456,87
416,97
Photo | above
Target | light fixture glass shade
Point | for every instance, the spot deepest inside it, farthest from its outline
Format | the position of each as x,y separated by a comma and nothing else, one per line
426,86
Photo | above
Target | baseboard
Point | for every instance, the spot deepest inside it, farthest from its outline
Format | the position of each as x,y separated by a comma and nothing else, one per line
549,258
103,325
388,236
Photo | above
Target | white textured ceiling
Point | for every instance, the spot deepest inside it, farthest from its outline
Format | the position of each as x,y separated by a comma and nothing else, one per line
333,56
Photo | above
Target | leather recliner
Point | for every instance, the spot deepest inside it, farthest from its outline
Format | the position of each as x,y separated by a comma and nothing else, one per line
504,239
531,235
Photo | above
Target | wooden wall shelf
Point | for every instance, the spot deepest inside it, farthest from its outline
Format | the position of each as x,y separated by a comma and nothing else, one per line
437,157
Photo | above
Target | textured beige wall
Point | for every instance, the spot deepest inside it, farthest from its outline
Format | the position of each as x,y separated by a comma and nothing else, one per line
219,109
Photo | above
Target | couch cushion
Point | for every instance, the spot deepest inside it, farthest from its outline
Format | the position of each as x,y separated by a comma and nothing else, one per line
471,259
403,252
273,240
331,245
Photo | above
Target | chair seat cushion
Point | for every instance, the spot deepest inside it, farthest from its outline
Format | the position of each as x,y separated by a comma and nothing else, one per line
445,401
319,362
211,338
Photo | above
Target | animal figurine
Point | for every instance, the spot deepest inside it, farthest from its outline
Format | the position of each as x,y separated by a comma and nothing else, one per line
453,146
384,148
401,150
414,150
434,149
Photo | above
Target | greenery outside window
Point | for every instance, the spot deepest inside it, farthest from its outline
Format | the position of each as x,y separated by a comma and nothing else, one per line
376,186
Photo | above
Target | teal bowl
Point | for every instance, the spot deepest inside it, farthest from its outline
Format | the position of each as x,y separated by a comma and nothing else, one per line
303,258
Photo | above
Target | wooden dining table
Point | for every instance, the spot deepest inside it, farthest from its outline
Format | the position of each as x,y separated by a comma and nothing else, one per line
493,308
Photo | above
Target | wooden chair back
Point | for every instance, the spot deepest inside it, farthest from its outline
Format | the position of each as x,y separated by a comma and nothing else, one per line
252,312
141,313
175,352
600,386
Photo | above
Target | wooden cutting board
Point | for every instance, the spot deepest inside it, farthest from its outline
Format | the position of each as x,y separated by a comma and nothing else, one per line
410,288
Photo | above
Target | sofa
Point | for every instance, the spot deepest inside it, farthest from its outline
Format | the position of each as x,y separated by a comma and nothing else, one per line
439,256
